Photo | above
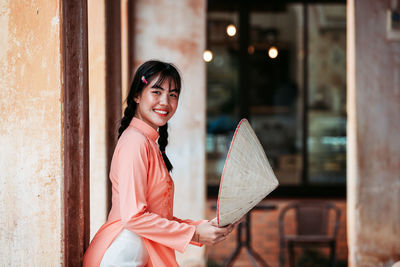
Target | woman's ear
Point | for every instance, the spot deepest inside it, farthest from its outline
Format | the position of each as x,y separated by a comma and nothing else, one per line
136,99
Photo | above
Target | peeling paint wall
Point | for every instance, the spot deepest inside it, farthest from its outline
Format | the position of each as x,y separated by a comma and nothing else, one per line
374,137
31,179
174,31
97,109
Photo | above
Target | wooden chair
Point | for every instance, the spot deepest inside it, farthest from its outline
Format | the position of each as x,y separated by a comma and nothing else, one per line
311,223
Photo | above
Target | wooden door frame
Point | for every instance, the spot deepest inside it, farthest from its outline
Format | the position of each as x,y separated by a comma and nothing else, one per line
76,130
76,116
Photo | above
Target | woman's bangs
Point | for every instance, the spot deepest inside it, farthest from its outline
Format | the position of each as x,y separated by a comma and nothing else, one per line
173,79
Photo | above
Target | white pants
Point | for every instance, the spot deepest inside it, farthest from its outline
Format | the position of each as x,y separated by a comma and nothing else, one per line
128,249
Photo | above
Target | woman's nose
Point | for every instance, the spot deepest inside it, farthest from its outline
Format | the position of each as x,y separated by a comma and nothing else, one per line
164,99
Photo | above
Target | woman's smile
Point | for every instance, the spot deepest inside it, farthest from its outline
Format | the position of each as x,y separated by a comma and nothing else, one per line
161,112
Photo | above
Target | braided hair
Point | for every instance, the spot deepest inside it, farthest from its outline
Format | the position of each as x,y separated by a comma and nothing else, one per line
151,69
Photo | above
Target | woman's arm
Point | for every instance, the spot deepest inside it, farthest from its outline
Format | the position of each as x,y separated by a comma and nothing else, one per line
132,173
191,222
188,221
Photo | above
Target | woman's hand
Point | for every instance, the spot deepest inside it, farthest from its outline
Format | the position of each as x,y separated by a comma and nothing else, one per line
208,233
215,223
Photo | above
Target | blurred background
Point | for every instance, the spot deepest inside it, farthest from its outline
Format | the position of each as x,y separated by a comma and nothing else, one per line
319,82
282,65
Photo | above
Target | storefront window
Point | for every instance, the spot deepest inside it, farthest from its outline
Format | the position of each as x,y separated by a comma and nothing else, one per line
294,90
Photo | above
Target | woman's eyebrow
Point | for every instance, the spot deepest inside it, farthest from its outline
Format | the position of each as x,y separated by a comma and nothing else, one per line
159,87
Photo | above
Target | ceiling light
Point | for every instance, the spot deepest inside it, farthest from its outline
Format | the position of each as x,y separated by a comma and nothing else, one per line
231,30
207,55
272,52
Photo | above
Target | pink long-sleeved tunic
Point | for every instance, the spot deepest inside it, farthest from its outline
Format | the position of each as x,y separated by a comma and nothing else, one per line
142,200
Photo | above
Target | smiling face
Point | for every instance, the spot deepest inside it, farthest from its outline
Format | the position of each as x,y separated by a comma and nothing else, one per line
157,103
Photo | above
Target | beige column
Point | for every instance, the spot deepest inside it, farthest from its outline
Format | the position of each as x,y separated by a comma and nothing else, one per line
97,109
373,136
31,163
174,31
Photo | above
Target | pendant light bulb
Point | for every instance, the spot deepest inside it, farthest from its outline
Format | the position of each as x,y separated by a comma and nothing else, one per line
273,52
231,30
207,55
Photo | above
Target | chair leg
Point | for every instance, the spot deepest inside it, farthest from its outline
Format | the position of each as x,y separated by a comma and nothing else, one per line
281,254
333,254
291,255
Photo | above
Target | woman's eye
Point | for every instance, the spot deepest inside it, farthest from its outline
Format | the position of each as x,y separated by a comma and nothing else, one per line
174,95
157,92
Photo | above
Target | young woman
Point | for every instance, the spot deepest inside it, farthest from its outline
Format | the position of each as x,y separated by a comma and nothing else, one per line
141,230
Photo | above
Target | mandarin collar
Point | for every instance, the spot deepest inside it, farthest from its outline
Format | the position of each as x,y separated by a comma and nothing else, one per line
144,128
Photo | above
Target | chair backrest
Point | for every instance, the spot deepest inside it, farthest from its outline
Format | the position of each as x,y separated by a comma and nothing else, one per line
312,217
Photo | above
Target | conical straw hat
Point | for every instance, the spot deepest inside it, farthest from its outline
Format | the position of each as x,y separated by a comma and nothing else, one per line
247,177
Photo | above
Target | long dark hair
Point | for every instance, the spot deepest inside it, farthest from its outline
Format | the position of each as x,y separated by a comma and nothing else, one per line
150,70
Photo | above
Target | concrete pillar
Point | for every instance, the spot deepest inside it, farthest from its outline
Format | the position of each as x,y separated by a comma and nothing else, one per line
373,177
174,31
31,141
97,109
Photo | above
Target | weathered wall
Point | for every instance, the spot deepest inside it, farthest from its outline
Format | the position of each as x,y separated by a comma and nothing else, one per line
374,136
31,189
125,73
174,31
97,109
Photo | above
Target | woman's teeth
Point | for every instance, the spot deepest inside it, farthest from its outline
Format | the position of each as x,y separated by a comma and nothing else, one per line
161,112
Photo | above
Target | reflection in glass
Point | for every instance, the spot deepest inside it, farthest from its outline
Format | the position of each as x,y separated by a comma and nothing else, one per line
327,94
275,89
222,92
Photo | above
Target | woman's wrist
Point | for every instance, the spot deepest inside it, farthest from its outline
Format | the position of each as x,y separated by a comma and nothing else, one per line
196,236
